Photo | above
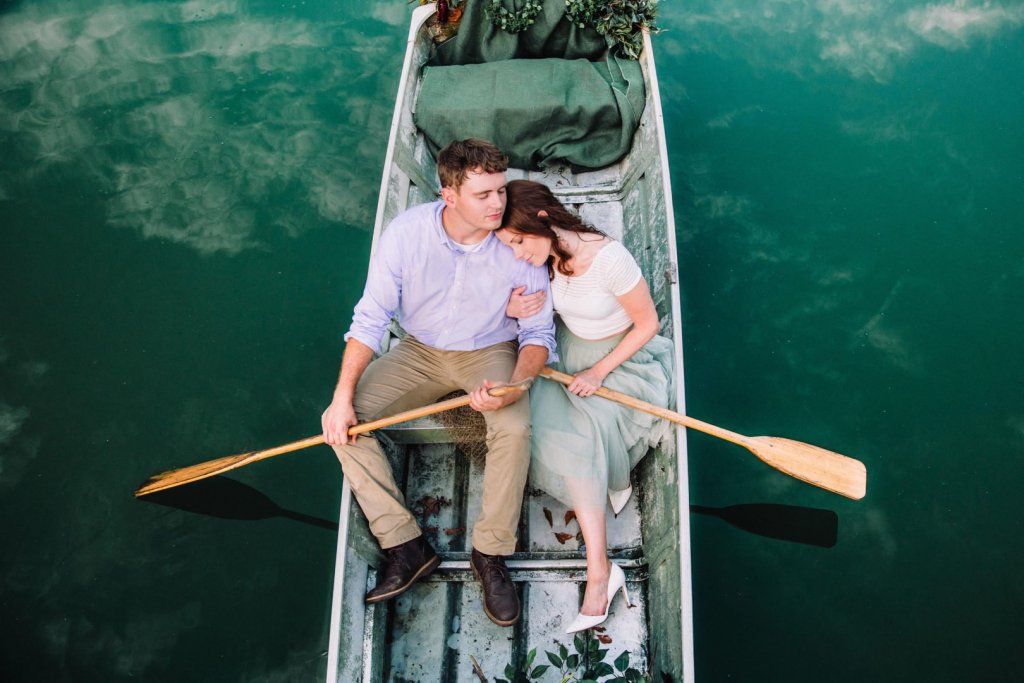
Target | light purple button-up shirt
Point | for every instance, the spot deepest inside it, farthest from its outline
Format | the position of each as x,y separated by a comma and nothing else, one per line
443,296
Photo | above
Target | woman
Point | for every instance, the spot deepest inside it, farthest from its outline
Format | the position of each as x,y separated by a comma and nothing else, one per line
584,448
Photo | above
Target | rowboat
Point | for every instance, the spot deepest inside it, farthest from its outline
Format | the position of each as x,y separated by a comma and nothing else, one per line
437,631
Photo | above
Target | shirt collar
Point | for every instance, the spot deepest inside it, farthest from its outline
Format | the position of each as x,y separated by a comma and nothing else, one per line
447,241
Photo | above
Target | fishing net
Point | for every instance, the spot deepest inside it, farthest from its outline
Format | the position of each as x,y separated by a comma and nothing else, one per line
466,428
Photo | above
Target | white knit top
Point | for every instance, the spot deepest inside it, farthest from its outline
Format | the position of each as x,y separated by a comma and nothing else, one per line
587,303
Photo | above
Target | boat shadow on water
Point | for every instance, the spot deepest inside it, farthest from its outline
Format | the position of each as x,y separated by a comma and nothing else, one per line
229,499
809,526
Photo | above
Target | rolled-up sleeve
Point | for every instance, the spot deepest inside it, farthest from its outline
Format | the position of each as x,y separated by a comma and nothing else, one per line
539,329
382,294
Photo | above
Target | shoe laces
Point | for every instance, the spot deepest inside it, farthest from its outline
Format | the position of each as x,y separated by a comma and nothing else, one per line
494,568
397,559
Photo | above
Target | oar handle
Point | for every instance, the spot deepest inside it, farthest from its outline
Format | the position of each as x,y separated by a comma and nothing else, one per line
671,415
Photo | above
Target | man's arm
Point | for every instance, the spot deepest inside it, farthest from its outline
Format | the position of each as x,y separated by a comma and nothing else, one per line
538,329
340,415
529,363
383,291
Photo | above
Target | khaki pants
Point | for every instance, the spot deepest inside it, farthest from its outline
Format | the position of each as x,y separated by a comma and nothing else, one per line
411,375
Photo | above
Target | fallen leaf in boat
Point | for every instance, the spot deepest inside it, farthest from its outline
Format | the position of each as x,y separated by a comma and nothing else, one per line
562,538
429,505
569,516
548,516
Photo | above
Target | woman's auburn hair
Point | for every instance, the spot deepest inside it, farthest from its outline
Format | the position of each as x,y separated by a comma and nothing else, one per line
525,201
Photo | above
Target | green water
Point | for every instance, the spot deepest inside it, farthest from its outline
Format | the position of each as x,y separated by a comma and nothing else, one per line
186,191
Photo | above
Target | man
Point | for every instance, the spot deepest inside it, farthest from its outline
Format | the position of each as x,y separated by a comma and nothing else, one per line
448,278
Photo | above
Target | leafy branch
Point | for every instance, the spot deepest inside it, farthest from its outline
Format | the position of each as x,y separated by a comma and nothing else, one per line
621,22
516,20
586,664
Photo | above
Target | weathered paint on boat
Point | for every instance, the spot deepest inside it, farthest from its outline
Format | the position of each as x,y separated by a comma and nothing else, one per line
436,630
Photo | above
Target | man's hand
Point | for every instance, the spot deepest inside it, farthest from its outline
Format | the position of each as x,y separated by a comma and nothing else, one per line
336,421
340,415
482,401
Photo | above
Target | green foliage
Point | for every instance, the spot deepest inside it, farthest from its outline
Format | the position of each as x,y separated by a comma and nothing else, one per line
515,20
586,664
527,673
621,22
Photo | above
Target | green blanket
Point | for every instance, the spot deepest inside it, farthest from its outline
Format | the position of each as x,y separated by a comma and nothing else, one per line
538,111
545,96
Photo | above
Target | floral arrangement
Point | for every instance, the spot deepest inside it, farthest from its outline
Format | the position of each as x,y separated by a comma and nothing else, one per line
621,22
515,20
447,10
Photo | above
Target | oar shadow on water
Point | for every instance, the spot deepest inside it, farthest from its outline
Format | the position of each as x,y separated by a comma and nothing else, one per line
230,499
810,526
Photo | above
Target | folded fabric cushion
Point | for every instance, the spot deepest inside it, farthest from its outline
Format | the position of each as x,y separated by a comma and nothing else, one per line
538,111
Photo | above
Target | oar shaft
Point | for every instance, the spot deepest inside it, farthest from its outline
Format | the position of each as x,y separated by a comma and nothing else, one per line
671,415
186,475
364,427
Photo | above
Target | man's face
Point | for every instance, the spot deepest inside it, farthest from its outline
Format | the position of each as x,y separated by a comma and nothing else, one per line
479,203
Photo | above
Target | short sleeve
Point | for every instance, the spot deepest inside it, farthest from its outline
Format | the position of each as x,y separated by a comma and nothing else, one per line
620,271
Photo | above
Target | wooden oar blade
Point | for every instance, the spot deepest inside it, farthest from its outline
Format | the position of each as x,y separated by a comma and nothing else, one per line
187,475
823,468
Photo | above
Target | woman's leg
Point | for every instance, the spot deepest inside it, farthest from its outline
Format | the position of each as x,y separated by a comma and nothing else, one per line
591,518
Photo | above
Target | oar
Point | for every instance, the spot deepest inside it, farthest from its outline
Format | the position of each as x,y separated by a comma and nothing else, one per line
825,469
211,468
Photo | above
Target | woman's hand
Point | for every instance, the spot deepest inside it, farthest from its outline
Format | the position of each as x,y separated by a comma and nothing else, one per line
587,382
524,305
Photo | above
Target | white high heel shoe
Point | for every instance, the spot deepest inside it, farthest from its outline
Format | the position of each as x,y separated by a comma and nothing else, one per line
618,499
616,582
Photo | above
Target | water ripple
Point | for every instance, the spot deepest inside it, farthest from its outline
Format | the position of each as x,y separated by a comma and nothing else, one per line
202,124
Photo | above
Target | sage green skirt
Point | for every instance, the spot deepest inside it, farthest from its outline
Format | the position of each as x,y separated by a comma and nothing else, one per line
584,447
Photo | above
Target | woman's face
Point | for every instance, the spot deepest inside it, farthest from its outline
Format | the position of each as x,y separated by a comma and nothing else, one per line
532,248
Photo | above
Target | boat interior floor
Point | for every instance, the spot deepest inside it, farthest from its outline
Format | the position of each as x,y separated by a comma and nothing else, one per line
439,624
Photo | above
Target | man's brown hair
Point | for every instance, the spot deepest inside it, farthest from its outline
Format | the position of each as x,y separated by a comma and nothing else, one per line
460,157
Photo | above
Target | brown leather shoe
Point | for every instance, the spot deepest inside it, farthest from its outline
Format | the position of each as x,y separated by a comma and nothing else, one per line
407,563
501,601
